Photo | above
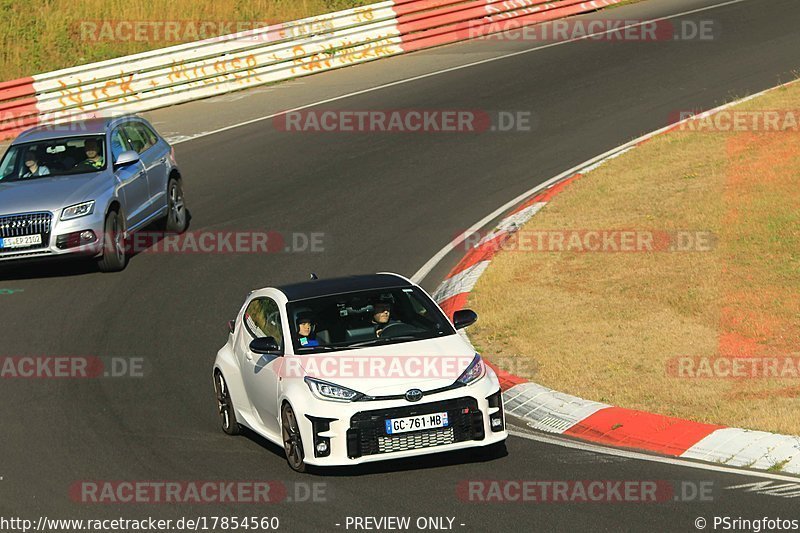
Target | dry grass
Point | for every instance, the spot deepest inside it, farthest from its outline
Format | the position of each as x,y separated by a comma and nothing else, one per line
604,326
42,36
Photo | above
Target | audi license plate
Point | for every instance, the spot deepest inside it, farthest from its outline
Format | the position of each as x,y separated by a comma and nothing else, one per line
20,242
416,423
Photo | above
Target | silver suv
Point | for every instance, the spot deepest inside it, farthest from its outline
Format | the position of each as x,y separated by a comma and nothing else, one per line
85,187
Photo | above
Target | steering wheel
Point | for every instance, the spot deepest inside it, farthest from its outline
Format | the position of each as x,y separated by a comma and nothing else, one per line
398,329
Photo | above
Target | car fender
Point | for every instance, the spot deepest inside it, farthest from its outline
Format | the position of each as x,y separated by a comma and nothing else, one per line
296,393
227,364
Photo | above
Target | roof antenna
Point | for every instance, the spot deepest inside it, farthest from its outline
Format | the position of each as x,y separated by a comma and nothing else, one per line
314,277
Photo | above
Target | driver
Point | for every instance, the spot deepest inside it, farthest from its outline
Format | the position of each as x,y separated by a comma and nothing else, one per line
306,329
93,157
381,316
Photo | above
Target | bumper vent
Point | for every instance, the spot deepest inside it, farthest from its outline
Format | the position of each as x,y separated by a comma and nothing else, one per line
367,434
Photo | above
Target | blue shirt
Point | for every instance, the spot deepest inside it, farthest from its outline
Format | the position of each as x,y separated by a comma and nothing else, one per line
305,341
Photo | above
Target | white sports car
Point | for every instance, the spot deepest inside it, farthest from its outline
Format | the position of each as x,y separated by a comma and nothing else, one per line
352,370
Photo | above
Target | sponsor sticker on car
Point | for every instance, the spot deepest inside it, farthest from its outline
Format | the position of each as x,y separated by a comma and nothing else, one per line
416,423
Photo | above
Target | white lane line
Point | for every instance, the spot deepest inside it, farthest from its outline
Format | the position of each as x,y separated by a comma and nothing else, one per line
595,448
454,69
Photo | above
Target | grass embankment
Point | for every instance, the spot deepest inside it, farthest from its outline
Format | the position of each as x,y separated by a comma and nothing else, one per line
39,37
612,326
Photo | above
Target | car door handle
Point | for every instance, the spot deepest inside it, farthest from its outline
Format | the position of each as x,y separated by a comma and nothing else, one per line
162,160
249,357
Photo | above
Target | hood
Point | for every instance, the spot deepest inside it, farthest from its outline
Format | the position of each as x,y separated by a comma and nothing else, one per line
395,368
49,194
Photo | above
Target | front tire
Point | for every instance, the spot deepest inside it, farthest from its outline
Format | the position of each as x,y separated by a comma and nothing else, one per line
177,218
227,414
114,257
292,442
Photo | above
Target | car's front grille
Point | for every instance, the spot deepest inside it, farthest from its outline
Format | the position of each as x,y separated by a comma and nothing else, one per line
24,225
367,434
418,439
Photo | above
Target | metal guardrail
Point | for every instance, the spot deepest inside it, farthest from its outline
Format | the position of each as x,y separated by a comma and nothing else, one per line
219,65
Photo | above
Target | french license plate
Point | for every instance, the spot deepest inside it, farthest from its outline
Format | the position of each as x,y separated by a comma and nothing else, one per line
20,242
416,423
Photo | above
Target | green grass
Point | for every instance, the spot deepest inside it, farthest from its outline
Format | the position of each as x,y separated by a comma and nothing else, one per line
42,36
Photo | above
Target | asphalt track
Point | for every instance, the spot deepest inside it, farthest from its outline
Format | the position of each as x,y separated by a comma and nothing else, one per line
383,202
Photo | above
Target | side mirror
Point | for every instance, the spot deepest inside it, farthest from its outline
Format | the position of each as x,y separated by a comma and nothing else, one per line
265,346
464,318
126,158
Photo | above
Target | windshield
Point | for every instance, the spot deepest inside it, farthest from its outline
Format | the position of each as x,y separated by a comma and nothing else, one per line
54,157
365,318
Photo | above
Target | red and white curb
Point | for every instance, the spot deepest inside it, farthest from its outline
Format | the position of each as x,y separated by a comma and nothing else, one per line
555,412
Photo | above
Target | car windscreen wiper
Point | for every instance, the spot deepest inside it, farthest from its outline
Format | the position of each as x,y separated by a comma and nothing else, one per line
324,347
387,340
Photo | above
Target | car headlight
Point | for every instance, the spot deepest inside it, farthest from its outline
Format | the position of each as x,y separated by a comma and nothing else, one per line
474,371
78,210
330,391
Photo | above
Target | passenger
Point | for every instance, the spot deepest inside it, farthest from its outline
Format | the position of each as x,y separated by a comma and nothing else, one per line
34,168
306,329
94,158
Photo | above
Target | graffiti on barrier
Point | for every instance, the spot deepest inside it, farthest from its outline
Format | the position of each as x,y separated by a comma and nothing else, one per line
126,87
342,52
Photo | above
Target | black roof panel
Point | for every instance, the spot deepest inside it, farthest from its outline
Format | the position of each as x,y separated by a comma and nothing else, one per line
328,287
